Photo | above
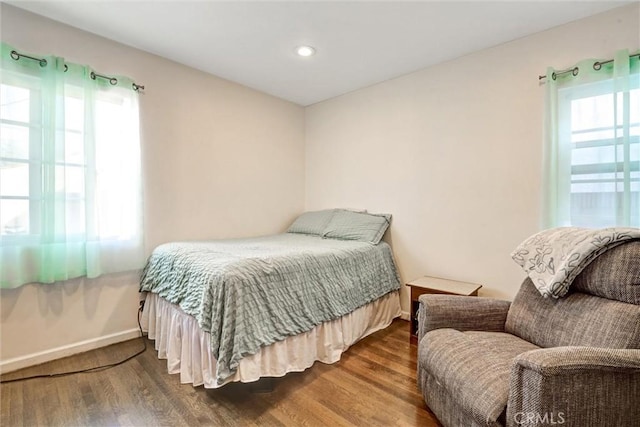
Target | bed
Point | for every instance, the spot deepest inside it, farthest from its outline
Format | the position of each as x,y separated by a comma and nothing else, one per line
242,309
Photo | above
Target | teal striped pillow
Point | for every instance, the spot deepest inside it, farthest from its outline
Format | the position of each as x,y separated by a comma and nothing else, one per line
364,227
313,222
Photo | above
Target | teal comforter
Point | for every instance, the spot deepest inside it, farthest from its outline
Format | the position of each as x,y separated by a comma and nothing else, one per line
249,293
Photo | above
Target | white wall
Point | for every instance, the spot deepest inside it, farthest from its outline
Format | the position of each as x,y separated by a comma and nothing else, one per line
454,151
219,160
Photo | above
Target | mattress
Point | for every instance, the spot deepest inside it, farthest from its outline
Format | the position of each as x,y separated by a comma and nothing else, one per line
180,340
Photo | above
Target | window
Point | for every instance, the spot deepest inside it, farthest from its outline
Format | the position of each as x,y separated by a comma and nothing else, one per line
70,200
18,125
593,147
604,169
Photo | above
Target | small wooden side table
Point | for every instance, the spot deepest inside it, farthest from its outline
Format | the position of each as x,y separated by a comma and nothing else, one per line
434,285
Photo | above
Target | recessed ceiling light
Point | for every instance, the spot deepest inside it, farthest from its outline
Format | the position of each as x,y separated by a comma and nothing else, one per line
305,51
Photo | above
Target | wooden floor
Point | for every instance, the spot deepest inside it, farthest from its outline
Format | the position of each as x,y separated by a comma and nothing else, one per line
374,384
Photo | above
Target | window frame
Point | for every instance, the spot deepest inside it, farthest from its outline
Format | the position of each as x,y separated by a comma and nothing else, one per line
622,168
35,157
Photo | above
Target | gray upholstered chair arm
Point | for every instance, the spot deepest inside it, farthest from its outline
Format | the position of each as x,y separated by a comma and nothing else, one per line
462,313
575,386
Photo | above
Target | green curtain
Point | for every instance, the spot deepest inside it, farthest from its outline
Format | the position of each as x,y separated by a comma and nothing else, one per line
70,179
592,144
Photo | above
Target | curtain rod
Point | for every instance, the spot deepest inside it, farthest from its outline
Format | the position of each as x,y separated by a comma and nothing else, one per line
596,66
43,63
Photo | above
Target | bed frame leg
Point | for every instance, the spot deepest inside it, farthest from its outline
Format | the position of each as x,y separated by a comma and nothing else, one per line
263,385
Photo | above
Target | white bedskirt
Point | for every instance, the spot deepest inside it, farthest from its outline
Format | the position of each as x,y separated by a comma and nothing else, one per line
179,339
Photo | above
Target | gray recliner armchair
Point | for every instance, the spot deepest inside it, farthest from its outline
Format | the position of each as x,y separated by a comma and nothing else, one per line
572,361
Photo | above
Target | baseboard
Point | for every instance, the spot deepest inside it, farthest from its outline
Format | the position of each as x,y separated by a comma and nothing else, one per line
67,350
33,359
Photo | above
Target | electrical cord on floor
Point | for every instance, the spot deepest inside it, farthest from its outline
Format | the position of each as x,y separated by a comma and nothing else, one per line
94,369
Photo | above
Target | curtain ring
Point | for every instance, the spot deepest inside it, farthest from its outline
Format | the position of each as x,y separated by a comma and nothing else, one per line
92,75
66,68
15,55
137,87
575,71
597,65
553,75
113,81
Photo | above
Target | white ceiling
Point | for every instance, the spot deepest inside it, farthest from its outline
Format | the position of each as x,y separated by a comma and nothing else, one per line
358,43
